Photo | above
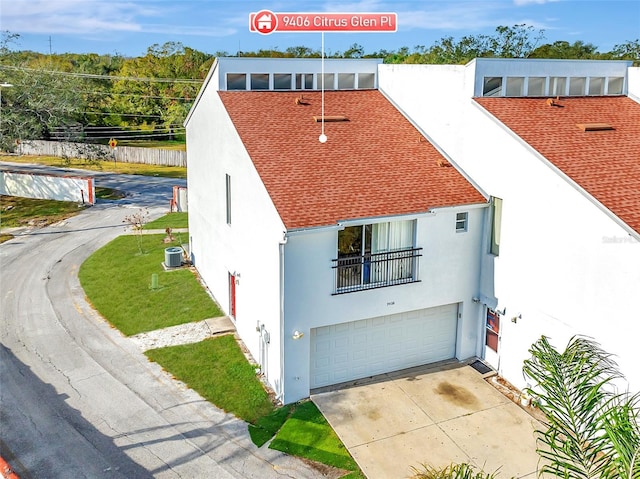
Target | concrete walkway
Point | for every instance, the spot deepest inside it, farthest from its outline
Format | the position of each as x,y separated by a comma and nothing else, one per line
437,416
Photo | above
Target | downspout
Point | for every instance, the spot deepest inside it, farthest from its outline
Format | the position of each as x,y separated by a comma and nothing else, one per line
281,246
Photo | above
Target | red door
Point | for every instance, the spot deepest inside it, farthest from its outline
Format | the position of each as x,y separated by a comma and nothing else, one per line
232,295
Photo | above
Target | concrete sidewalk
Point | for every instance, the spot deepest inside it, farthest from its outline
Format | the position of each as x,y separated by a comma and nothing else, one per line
437,416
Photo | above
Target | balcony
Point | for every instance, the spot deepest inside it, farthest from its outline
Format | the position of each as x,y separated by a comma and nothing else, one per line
377,270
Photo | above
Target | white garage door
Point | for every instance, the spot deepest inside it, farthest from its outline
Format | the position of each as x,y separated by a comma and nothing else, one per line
347,351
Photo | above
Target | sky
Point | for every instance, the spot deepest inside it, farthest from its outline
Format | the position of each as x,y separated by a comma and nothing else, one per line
129,27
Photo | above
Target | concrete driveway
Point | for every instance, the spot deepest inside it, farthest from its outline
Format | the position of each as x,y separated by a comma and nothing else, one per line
436,416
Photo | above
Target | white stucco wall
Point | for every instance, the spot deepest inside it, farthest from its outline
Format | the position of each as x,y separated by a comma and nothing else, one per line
634,82
449,273
565,265
538,67
249,246
79,189
293,65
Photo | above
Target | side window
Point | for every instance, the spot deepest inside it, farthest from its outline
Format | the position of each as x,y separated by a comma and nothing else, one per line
462,220
236,81
259,81
366,80
282,81
492,86
515,86
228,192
304,81
496,225
614,86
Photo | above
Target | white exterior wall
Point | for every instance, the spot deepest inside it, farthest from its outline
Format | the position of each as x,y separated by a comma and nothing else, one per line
78,189
250,245
449,273
500,67
565,265
634,82
250,65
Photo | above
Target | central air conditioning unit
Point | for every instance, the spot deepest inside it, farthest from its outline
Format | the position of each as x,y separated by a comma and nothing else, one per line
173,257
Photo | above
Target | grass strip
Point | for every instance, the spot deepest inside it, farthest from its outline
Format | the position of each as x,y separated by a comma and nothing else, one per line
267,426
308,434
101,165
17,211
170,220
117,281
218,370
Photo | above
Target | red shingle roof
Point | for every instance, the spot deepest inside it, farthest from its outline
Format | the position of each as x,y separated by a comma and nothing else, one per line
374,164
605,163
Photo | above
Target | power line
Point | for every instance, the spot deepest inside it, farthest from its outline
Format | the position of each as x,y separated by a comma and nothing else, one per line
134,95
103,77
124,137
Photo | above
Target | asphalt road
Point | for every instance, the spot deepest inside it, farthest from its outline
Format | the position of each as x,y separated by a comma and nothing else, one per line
78,399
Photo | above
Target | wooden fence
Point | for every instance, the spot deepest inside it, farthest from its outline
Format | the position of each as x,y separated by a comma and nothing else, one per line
124,154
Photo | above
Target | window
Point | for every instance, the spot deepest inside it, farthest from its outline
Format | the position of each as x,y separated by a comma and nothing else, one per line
346,81
596,85
259,81
461,222
496,225
577,86
492,86
375,255
282,81
328,81
366,80
236,81
493,329
557,86
536,86
304,81
614,86
515,86
228,190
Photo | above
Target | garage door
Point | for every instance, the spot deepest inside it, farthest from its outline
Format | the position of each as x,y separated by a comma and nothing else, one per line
347,351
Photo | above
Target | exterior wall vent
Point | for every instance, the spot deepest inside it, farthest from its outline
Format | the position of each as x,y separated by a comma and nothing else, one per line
595,126
327,119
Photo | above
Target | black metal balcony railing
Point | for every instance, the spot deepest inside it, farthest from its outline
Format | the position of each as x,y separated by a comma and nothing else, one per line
357,273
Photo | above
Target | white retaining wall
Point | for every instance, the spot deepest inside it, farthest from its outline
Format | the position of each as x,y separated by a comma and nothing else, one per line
79,189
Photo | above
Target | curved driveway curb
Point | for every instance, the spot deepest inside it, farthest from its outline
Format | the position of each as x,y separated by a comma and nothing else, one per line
78,399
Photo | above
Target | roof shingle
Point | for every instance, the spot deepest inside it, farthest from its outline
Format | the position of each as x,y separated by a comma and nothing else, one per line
605,163
374,164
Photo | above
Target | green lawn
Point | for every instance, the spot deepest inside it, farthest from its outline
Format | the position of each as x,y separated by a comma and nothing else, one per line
171,220
17,211
117,280
102,165
307,434
217,369
163,145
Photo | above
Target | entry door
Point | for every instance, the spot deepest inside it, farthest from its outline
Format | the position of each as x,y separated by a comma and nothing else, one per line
232,295
492,338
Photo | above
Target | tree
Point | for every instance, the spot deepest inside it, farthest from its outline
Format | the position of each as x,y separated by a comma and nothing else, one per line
590,430
561,49
627,51
158,88
518,41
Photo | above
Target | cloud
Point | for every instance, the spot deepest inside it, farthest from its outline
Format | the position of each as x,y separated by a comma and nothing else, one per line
469,17
520,3
72,16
